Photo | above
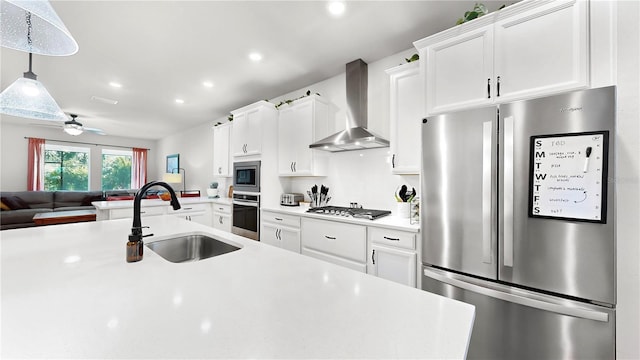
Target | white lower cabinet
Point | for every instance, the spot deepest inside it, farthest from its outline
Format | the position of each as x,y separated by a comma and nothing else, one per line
199,213
222,217
280,230
392,255
336,242
124,213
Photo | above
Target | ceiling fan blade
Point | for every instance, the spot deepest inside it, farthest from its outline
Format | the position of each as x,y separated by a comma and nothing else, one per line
94,130
47,125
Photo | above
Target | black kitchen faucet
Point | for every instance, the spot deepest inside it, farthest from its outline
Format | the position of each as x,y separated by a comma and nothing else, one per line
135,246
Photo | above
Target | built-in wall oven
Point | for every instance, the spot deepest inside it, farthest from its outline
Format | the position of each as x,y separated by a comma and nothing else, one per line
246,176
246,199
246,214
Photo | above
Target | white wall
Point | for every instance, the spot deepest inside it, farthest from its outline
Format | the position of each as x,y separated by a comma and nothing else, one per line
628,180
195,146
13,152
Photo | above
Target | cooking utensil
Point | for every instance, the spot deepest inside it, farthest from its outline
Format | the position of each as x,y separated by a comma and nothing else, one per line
403,193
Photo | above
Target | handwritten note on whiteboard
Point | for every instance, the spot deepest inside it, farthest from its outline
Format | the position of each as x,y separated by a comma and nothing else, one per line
568,176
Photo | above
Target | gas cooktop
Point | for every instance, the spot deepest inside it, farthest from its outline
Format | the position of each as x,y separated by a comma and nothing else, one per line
350,212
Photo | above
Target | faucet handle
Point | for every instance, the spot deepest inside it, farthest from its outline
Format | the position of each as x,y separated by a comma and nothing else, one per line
144,236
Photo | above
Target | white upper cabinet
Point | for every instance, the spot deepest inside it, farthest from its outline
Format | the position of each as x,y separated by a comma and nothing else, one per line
542,51
459,70
247,127
300,124
221,146
406,112
528,49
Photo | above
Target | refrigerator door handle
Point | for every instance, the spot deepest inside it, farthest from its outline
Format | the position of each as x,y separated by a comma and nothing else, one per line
487,170
507,203
515,298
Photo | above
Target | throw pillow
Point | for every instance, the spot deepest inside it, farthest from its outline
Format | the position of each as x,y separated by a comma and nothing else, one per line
15,203
88,199
4,206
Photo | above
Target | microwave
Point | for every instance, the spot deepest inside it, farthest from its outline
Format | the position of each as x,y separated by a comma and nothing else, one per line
246,176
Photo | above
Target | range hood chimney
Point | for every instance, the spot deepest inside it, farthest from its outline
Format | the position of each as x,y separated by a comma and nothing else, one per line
355,136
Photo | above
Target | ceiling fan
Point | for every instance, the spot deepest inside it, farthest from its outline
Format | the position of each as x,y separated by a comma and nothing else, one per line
73,127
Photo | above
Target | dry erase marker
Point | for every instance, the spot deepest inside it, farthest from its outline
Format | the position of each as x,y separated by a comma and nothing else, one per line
586,161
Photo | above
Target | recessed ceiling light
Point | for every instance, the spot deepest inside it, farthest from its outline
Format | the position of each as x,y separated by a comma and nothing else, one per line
208,84
104,100
254,56
115,84
336,8
179,101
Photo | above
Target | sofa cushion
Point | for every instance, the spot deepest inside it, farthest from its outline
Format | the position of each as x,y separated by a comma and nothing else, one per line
22,216
75,198
71,208
35,199
4,206
15,202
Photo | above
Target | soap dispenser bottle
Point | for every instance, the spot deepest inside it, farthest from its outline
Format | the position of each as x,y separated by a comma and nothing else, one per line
135,250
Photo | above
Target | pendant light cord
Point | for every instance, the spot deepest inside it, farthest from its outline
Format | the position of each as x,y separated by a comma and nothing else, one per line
29,74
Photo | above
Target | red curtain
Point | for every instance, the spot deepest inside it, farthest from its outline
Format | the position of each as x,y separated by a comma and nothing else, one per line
35,171
139,167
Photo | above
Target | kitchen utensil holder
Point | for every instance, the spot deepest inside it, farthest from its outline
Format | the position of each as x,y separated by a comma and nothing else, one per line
414,212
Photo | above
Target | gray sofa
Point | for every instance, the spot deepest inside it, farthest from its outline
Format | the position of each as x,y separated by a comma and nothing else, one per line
42,201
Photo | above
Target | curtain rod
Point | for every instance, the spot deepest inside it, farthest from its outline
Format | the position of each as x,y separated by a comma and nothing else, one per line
85,143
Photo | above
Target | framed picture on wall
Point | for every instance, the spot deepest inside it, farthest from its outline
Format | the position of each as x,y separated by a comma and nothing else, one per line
173,163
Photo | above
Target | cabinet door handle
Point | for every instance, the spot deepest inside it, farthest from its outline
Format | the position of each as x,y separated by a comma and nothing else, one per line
330,237
294,166
498,90
488,88
373,256
393,161
220,170
278,219
392,239
291,166
220,219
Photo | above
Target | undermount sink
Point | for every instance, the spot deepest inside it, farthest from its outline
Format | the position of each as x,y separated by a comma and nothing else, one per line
191,247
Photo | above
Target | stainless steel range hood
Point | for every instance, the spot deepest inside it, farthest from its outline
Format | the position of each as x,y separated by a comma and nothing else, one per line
355,136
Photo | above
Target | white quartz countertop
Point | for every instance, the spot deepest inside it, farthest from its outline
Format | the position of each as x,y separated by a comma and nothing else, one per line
389,221
67,292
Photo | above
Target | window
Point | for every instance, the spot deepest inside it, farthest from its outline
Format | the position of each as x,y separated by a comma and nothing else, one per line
116,169
66,167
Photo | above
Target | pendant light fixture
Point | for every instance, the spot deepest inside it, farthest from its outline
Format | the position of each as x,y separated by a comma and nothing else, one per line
49,35
27,97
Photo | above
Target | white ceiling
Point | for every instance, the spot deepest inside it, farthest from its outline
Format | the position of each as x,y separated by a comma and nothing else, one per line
163,50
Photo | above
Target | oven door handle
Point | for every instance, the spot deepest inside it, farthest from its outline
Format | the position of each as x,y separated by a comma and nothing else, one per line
246,203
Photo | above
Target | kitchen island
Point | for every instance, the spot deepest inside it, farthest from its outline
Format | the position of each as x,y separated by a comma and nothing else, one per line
67,292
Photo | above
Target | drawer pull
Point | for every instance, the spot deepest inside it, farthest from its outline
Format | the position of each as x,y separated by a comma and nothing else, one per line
143,212
187,208
278,219
221,209
392,239
330,237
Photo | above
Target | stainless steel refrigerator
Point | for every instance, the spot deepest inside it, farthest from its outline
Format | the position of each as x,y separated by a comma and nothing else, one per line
518,220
